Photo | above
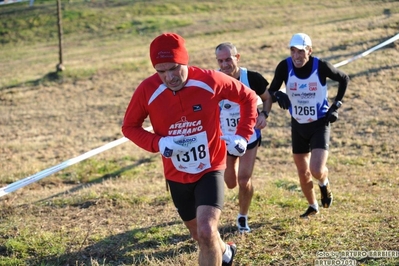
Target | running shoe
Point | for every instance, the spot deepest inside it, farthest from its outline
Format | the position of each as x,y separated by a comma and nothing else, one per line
242,224
309,212
233,253
326,196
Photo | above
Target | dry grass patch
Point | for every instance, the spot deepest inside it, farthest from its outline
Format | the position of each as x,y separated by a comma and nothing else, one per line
113,209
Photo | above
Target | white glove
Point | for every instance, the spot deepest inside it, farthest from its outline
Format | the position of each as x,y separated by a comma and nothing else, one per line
236,145
171,146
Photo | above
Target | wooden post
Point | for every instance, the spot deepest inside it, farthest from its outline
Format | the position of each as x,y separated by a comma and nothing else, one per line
60,66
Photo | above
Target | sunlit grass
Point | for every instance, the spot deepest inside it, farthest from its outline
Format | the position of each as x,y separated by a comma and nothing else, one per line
114,208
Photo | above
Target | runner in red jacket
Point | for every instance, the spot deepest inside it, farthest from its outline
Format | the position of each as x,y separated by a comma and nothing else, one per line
182,103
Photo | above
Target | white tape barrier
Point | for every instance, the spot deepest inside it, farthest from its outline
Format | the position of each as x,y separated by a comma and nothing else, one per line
33,178
36,177
4,2
369,51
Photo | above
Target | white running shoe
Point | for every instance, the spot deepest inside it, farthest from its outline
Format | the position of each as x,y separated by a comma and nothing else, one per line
242,224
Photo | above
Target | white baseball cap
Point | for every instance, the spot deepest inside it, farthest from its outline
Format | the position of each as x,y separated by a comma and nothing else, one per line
300,41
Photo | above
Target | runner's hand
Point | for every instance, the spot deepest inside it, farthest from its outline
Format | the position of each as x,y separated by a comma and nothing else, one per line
282,99
172,146
332,114
236,145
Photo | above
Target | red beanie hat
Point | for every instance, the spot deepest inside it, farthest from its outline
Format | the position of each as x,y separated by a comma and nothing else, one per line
168,48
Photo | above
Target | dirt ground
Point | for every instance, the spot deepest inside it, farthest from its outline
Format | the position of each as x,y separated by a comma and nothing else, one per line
45,125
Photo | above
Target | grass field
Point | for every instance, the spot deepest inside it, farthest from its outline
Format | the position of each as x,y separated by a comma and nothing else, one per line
113,208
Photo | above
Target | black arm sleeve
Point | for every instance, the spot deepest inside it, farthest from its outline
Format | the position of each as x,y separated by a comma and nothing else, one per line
329,71
280,76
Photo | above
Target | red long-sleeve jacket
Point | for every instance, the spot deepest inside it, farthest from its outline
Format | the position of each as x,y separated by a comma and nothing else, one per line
192,110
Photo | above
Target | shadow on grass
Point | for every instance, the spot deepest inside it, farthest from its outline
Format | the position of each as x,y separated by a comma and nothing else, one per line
103,178
124,248
55,76
128,248
374,70
133,247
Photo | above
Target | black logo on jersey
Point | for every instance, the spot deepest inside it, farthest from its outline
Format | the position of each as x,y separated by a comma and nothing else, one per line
227,106
167,152
197,108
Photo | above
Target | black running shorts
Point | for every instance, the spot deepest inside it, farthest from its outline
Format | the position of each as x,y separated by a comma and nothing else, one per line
306,137
209,190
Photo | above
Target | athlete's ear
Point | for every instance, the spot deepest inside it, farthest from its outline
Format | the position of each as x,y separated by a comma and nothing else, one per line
238,56
310,50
